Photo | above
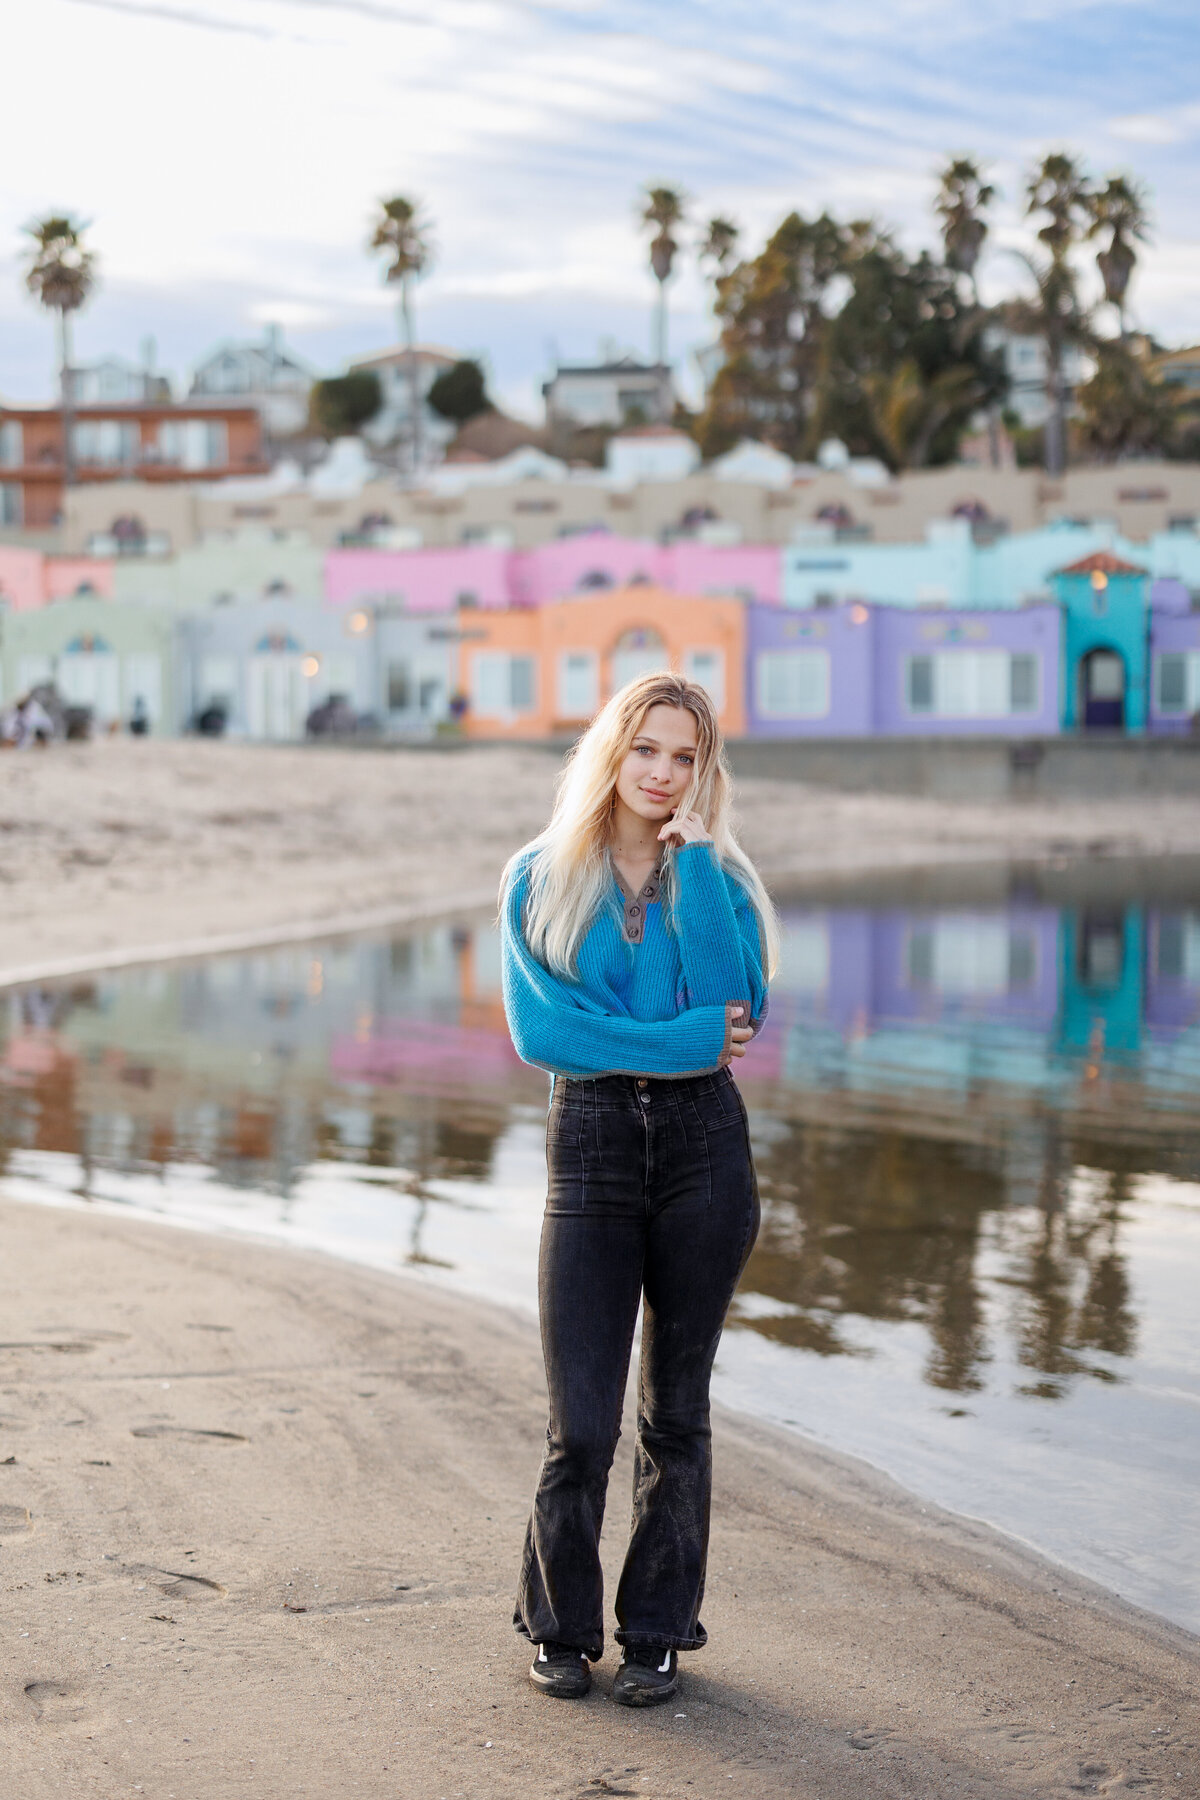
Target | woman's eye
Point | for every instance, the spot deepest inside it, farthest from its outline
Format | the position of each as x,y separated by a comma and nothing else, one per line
687,761
644,750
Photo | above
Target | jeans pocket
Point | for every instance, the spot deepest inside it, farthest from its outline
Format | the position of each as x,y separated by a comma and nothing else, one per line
566,1170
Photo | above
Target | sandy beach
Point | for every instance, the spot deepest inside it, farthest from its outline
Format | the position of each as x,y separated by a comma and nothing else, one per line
260,1511
124,849
261,1514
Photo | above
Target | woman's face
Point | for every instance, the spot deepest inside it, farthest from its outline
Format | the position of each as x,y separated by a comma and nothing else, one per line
656,771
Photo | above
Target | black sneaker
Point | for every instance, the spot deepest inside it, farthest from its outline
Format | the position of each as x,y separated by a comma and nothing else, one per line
647,1676
560,1670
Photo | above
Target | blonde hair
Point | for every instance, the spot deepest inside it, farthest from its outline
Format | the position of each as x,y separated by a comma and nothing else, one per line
570,877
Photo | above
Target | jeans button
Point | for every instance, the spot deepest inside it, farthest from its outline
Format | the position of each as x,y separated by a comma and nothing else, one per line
642,1083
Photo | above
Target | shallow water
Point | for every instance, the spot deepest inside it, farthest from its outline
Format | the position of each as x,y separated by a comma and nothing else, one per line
976,1114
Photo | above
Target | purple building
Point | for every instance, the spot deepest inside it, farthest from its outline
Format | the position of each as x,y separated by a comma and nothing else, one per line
862,671
1174,659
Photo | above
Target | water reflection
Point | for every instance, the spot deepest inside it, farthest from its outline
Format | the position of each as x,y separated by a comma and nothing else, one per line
977,1122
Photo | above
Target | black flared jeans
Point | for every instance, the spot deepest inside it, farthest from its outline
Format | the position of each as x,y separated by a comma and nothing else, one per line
651,1198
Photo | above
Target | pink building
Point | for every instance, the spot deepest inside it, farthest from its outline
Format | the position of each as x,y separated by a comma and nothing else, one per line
29,578
419,580
439,580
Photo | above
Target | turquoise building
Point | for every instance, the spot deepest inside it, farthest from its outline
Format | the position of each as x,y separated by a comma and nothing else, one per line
1105,644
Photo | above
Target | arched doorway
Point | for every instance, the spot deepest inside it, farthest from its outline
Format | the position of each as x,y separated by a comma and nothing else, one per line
637,652
1102,691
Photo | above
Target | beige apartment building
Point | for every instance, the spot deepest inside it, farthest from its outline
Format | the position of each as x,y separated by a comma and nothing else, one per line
1139,500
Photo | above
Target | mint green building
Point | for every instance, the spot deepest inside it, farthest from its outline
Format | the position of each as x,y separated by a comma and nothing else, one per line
98,653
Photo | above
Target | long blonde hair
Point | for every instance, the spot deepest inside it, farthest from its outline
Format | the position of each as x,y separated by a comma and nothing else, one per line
570,876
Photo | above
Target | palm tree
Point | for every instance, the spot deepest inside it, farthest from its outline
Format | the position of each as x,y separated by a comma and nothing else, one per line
962,200
1121,210
718,244
1057,188
663,212
61,276
402,233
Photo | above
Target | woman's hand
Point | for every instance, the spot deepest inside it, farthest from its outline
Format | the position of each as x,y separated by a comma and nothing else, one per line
739,1035
685,828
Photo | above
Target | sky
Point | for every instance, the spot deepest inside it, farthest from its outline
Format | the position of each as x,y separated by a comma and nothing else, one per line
228,156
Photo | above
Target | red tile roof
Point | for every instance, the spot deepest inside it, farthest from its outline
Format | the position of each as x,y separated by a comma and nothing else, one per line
1102,562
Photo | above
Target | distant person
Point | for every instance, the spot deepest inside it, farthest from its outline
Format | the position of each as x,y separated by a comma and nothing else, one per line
29,723
637,944
139,718
211,720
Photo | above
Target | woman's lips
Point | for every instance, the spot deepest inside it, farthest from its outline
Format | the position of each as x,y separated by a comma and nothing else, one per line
655,794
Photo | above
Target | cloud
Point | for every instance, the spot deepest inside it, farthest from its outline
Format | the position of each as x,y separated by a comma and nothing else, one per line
245,176
1157,128
174,15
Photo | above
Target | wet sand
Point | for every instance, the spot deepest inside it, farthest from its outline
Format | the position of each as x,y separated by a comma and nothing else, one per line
261,1514
124,849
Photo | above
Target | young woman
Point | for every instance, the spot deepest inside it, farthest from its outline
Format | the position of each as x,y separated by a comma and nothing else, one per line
638,941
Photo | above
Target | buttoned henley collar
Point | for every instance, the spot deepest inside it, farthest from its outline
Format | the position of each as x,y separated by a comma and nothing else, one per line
633,921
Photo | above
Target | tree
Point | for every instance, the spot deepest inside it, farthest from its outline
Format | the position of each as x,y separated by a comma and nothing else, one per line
460,392
718,244
1057,190
1120,208
342,404
663,211
401,233
962,201
61,275
905,366
1124,409
773,328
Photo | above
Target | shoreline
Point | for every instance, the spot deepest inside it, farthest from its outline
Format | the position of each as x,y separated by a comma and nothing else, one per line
853,1462
122,852
262,1526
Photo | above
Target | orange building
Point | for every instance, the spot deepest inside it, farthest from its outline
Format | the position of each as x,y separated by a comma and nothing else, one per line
151,443
544,672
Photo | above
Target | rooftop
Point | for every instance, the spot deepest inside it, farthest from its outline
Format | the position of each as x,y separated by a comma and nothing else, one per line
1101,562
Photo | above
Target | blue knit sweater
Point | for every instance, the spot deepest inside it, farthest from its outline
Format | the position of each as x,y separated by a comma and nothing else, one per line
654,1007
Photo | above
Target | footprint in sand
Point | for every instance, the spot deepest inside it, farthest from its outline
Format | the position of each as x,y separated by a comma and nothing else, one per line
186,1431
867,1740
189,1587
55,1702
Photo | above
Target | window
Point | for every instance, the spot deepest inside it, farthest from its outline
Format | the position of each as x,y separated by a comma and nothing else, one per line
972,684
578,684
143,681
194,443
106,443
218,682
10,503
637,652
1178,681
32,671
399,687
707,669
793,684
501,685
12,449
1178,948
970,958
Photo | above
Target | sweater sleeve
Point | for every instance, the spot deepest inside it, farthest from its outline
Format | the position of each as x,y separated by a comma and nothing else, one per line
720,936
557,1026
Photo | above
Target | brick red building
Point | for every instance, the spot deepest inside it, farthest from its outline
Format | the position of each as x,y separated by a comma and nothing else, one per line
152,443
